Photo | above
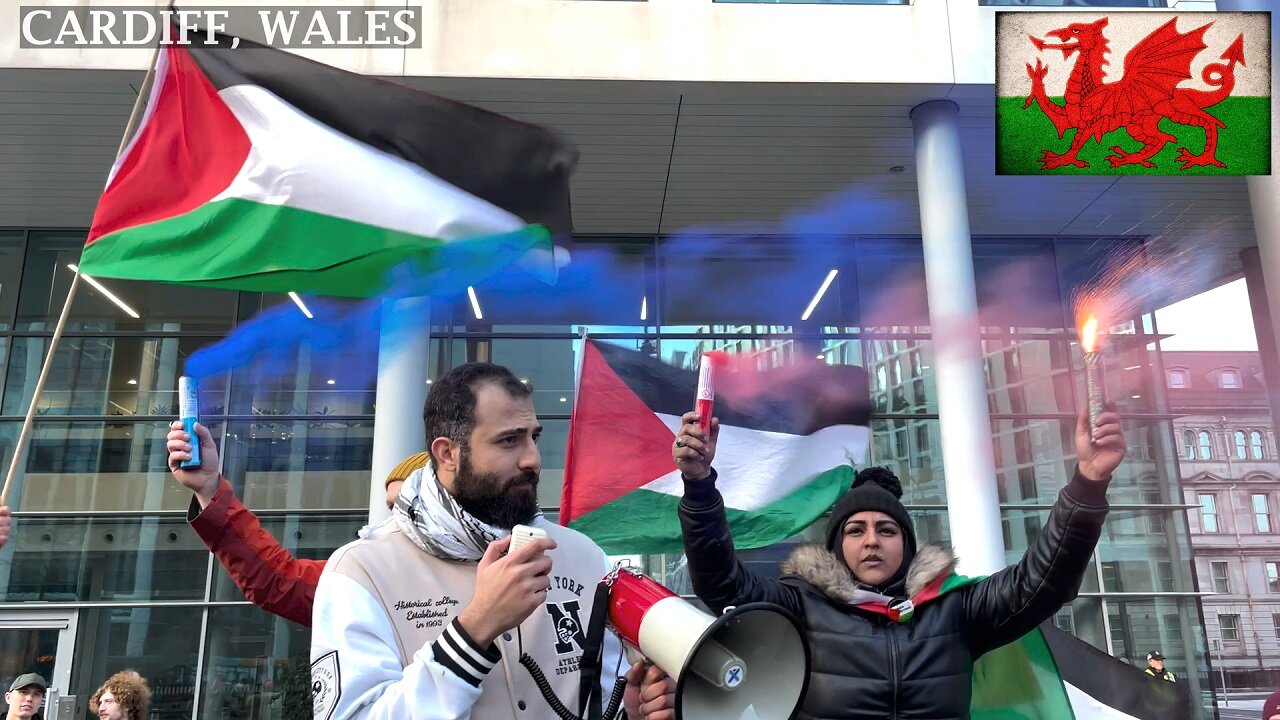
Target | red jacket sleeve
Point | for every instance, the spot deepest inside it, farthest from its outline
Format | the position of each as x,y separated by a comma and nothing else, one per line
268,575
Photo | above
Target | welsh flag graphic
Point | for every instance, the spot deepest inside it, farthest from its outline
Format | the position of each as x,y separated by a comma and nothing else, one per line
1133,93
788,442
255,169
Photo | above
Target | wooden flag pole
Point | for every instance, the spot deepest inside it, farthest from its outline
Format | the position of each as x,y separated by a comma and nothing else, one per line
19,448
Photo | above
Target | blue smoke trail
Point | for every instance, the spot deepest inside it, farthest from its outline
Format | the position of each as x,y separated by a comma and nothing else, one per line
269,342
597,280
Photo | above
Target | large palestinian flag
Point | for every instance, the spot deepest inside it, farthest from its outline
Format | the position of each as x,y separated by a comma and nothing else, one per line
1133,93
1050,675
255,169
789,439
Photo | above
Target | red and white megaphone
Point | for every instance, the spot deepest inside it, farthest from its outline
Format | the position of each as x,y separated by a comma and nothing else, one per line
750,663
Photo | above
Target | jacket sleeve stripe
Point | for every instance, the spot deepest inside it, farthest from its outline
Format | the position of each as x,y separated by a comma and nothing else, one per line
454,650
484,658
445,657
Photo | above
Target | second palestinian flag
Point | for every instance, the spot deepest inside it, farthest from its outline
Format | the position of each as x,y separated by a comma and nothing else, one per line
1050,675
788,444
254,169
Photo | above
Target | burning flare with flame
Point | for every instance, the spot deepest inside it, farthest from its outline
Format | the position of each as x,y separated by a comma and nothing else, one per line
1089,333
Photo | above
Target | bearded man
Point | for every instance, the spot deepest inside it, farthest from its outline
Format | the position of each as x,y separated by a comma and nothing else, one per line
428,617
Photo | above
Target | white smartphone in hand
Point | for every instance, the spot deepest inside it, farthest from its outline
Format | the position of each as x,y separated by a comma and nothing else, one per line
522,534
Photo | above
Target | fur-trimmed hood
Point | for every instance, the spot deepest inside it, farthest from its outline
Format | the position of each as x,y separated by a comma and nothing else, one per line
828,574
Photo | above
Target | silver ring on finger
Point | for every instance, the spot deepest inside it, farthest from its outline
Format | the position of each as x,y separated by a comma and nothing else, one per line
679,443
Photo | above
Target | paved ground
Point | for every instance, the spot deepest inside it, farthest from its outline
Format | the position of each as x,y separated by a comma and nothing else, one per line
1242,709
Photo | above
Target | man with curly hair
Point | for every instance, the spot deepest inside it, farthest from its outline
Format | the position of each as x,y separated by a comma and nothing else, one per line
124,696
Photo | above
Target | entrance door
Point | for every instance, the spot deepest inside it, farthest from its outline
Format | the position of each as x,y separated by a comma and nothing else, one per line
40,641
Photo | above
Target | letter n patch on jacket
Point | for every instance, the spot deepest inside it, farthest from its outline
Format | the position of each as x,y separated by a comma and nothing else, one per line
567,618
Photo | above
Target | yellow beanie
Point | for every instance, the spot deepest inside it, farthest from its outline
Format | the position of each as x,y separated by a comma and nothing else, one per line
407,466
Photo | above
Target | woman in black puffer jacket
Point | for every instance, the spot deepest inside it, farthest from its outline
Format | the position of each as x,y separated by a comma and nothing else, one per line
893,632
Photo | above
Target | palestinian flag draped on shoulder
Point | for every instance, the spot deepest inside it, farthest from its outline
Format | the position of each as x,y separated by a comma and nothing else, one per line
789,440
255,169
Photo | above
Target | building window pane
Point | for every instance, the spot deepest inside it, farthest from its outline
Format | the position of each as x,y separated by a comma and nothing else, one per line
1177,378
1255,445
1205,445
1122,643
1031,527
310,536
754,280
1189,444
121,558
11,244
1063,621
106,376
1086,621
255,666
161,307
549,365
162,644
890,285
1208,513
1229,627
304,379
913,394
89,465
907,447
1138,625
1111,580
1275,621
611,282
1155,518
1133,560
299,464
1221,585
1229,379
1033,459
1028,376
1273,577
1261,513
1241,448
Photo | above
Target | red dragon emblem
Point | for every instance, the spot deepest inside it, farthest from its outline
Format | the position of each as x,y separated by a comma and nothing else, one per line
1147,93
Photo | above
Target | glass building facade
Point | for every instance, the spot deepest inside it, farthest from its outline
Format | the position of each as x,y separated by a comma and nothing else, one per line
100,531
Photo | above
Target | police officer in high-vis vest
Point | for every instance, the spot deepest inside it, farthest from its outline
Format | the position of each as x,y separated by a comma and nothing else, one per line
1155,667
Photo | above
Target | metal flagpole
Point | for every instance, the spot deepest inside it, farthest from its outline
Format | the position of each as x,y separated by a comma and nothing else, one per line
19,448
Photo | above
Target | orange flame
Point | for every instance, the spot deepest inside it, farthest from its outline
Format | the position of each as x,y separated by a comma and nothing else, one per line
1089,333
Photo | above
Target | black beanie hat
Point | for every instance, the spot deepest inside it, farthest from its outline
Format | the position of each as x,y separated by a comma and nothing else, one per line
878,489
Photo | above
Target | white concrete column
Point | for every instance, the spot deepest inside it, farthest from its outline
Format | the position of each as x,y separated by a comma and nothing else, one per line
973,506
1264,201
1264,190
404,359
